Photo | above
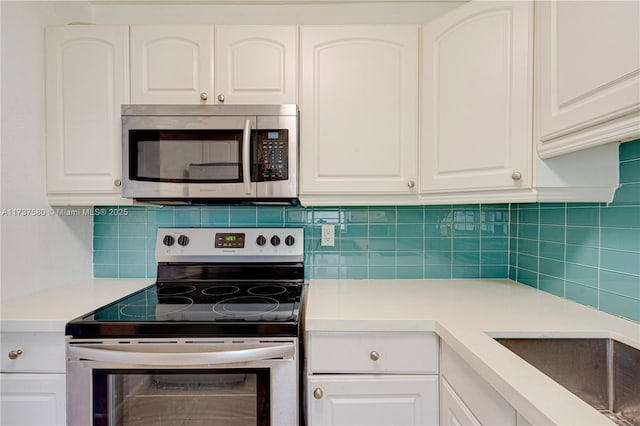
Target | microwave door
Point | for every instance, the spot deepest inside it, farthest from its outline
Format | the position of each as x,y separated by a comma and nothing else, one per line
204,157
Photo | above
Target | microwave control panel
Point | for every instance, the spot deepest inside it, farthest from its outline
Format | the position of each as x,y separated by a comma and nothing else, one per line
271,155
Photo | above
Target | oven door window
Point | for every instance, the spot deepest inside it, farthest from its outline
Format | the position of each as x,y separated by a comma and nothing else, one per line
196,156
216,397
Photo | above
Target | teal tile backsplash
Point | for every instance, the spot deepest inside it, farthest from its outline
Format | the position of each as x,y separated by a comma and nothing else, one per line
587,252
468,241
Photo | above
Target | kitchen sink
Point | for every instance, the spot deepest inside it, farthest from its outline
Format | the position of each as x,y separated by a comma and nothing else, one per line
602,372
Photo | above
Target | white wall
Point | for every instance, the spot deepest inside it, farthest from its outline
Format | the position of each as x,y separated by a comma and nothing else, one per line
348,13
37,252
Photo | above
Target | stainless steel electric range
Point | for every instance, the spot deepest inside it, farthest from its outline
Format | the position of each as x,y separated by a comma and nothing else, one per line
214,341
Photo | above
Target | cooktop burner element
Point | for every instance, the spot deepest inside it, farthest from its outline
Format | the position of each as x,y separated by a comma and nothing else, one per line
246,306
267,290
218,282
177,290
221,290
143,310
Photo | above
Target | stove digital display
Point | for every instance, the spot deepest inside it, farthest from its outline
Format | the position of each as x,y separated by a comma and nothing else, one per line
225,240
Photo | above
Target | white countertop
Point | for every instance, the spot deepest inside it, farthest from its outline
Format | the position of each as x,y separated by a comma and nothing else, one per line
467,314
49,311
464,313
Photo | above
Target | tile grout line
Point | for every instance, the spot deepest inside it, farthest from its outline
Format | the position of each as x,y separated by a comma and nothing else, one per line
564,251
538,248
599,254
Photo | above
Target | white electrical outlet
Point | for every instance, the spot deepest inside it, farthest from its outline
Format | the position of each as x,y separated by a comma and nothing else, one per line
328,235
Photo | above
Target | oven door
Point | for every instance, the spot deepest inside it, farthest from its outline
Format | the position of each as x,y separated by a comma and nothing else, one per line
187,157
168,382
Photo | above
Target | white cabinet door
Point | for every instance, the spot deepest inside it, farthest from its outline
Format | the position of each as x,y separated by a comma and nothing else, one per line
587,73
345,400
87,80
256,64
32,399
359,123
476,95
453,411
172,64
483,402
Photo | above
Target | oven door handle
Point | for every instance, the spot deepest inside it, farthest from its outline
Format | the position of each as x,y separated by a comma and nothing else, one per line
246,158
120,355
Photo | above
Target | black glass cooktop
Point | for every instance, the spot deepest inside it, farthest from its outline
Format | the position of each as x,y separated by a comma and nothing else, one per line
196,305
223,309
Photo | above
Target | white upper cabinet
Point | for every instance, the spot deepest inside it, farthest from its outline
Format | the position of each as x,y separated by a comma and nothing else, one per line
256,64
587,74
172,64
359,120
181,64
87,79
476,98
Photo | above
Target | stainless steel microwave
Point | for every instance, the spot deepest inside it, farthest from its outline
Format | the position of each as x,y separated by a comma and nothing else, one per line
210,153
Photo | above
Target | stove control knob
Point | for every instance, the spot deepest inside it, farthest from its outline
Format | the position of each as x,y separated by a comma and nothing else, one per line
168,240
275,240
261,240
289,240
183,240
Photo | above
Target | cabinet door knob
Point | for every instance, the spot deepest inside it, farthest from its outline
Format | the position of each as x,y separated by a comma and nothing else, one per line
411,184
117,182
221,98
516,176
14,354
374,355
204,96
317,393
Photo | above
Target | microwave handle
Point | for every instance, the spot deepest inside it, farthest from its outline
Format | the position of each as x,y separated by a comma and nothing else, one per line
246,166
167,359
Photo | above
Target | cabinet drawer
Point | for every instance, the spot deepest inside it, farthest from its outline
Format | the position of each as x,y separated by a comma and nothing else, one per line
41,352
384,352
484,402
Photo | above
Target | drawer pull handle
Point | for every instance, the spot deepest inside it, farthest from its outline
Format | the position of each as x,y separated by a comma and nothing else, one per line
317,393
14,354
374,356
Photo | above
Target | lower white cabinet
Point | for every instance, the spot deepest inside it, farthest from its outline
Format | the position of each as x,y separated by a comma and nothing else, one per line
453,411
32,379
372,379
32,399
373,400
466,398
